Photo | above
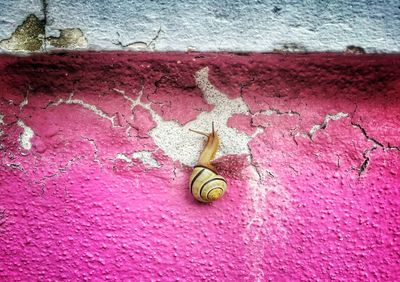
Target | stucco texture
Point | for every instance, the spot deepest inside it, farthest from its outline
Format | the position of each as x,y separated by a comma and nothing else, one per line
96,154
207,25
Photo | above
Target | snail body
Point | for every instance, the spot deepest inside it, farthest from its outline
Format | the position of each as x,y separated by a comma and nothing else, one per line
205,184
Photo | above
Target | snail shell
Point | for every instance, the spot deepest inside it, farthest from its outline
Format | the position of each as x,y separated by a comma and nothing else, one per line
206,185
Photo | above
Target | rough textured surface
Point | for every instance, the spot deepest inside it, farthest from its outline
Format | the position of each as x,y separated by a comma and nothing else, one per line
95,154
215,25
68,38
29,36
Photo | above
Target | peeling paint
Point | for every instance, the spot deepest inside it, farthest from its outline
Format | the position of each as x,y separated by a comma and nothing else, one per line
147,158
144,156
233,142
123,157
25,101
351,49
290,47
69,38
29,36
26,136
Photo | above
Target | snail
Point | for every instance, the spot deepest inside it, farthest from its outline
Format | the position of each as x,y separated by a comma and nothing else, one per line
205,183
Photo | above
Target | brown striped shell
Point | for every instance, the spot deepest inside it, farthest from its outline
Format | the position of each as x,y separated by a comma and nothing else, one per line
206,185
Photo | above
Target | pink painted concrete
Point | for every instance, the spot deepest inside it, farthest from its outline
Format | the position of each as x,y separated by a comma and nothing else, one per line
71,210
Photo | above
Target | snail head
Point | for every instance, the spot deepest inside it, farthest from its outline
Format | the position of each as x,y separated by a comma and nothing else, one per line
210,148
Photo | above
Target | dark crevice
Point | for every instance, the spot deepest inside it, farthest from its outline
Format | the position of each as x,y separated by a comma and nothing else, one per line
278,112
366,135
377,144
394,147
246,84
44,21
366,161
363,166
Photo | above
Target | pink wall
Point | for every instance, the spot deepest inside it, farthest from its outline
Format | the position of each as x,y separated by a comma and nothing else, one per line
320,199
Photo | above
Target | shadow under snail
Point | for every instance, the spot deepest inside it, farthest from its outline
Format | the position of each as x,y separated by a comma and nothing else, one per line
205,183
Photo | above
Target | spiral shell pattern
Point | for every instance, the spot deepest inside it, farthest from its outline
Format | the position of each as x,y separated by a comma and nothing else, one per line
206,185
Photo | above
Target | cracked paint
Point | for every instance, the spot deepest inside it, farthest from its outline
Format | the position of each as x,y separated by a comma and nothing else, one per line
90,107
1,123
96,150
147,158
69,38
141,45
28,36
26,136
31,36
324,124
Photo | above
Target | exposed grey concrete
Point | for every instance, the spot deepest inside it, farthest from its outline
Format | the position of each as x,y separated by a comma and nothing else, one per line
215,25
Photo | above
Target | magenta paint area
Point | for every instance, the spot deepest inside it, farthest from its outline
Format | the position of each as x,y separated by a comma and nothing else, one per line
86,193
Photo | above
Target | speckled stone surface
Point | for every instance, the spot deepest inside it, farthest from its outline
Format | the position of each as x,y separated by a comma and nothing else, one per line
95,157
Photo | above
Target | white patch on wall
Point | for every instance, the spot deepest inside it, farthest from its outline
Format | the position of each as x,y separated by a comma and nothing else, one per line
1,123
26,136
123,157
181,144
144,156
25,101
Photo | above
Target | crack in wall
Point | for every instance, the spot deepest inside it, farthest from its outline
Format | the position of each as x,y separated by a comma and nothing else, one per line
324,124
375,141
134,102
363,166
139,45
356,125
366,154
63,169
272,111
45,14
95,148
86,106
15,166
25,101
